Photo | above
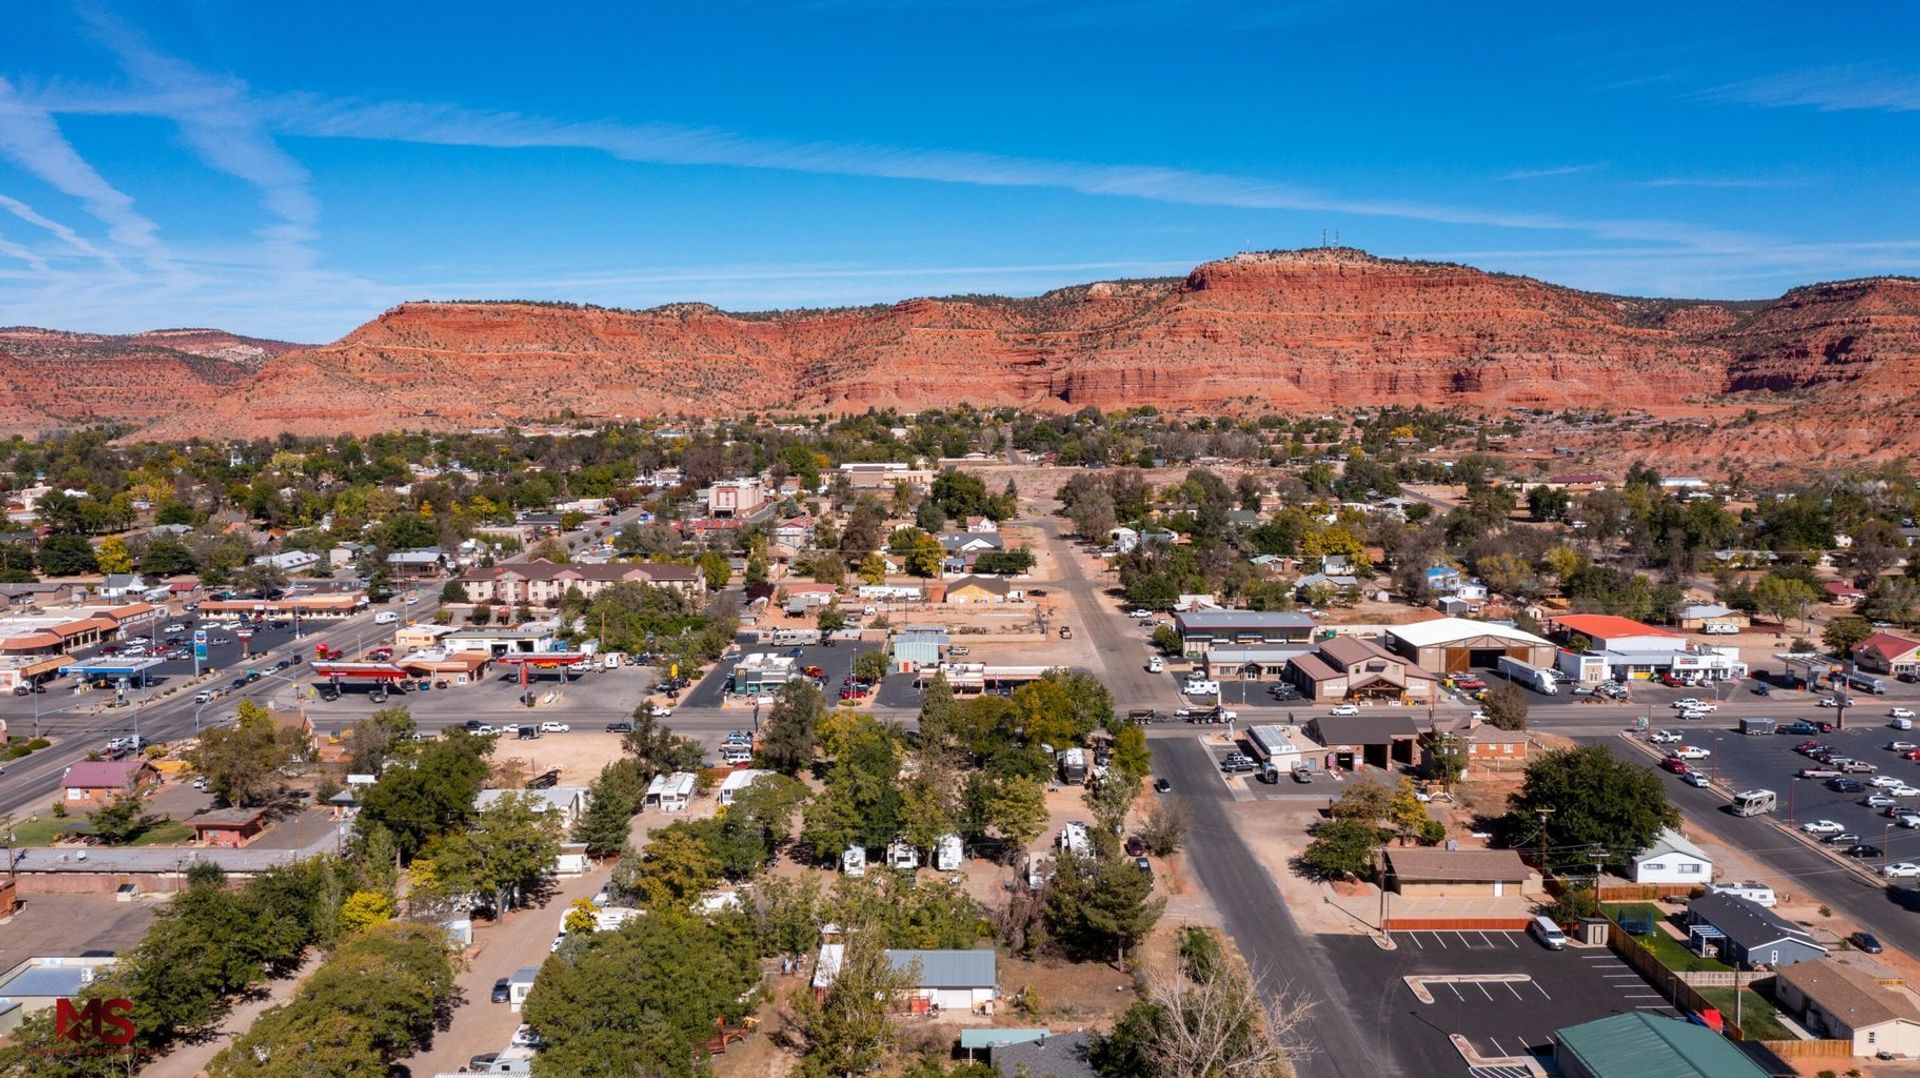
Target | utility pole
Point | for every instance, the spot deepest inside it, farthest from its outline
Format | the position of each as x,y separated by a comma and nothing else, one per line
1544,813
1597,852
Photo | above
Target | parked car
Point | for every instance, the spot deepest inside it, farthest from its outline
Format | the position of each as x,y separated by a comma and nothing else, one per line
1844,838
1845,785
1676,765
1822,827
1344,709
1900,713
1878,800
1162,785
1910,819
1864,850
1236,762
1866,942
1901,746
1692,752
1799,726
1663,737
555,728
1696,779
619,728
1900,870
502,991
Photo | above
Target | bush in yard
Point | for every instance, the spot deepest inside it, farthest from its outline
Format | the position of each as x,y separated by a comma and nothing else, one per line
1342,849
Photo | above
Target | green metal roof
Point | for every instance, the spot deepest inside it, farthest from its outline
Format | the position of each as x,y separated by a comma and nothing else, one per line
1637,1045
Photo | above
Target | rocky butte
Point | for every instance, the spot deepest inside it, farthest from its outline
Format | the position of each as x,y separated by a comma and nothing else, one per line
1311,329
50,380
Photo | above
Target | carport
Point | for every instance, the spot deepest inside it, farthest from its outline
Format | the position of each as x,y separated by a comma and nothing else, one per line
381,676
1371,740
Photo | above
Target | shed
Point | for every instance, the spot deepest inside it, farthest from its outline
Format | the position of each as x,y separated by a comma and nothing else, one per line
1848,1003
1639,1045
1438,873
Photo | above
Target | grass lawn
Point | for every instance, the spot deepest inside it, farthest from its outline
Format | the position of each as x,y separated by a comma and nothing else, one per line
1758,1019
43,831
1671,952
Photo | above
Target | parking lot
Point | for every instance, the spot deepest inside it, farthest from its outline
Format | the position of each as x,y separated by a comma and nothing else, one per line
587,699
835,662
1501,991
1745,762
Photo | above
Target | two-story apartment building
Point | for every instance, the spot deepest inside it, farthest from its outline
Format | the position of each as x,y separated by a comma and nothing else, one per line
542,583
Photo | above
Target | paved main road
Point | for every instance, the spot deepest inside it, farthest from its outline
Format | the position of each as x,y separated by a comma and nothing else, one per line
1284,958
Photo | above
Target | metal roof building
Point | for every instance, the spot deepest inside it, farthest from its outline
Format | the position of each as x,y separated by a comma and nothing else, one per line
1640,1045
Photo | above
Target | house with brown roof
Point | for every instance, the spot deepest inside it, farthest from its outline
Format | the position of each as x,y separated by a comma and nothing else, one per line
1430,872
1885,653
229,828
1848,1003
97,782
1354,668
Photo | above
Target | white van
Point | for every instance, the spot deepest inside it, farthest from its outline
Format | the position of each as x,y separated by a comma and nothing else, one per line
386,617
1155,664
1548,933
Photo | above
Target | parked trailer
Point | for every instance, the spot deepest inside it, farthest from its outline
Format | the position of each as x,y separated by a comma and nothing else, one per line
1753,802
1533,677
1756,727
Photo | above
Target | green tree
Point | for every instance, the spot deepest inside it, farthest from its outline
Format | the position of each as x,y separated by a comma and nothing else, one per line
371,742
847,1031
506,851
433,793
612,801
1167,639
453,592
243,763
787,745
1342,848
1590,798
363,909
642,999
1784,598
870,666
714,566
676,869
1506,707
1130,753
1842,635
926,556
67,555
938,711
656,748
1016,808
119,821
873,570
1099,906
1168,823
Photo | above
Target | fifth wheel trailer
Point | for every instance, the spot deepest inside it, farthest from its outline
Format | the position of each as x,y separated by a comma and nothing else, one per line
1533,677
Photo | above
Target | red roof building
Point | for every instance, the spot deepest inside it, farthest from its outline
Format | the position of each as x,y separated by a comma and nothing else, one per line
1885,653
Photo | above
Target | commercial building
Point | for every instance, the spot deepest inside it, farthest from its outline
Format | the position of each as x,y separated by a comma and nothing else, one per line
1637,1045
39,983
764,672
980,591
1847,1003
97,782
1355,668
1456,645
1437,873
53,632
1355,741
1629,650
1886,653
543,583
329,605
534,636
735,498
1284,746
1201,630
1699,616
882,475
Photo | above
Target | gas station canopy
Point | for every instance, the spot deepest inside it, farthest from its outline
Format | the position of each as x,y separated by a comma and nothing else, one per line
359,671
543,658
98,668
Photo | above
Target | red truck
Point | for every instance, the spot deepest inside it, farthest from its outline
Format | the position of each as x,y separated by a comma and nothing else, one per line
327,651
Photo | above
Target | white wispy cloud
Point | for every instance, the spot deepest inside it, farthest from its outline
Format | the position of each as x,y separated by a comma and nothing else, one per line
218,120
669,144
31,138
1550,173
1722,182
66,235
1851,87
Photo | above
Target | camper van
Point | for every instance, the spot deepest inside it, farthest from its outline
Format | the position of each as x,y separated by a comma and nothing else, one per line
386,617
1199,687
1753,802
1075,840
853,862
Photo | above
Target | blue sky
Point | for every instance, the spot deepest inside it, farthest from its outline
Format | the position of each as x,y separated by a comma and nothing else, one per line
292,170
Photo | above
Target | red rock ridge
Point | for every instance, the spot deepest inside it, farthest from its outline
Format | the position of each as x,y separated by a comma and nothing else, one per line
51,379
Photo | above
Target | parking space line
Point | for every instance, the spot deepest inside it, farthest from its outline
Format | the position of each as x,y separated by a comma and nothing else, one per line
1441,940
1415,937
1511,988
1463,939
1536,984
1512,938
1484,939
1456,992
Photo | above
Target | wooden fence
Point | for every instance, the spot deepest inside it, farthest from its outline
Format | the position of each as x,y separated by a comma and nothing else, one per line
1810,1049
1665,981
1723,978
